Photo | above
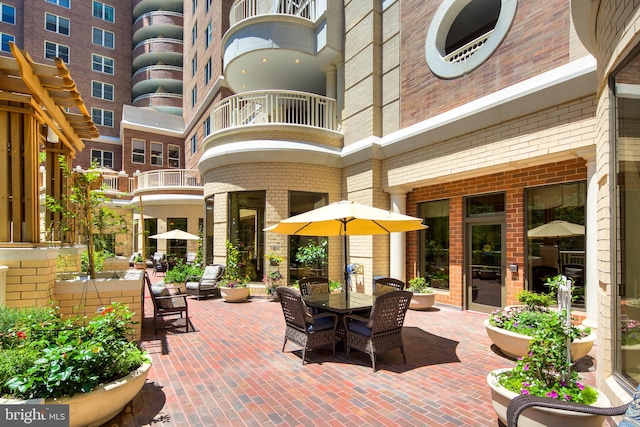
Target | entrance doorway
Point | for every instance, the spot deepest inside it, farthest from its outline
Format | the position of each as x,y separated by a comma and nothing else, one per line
485,288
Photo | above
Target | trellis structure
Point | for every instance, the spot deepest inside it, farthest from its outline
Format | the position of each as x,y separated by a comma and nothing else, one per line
41,111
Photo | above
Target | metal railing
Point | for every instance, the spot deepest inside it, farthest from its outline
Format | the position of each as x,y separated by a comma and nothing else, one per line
283,107
244,9
166,178
464,52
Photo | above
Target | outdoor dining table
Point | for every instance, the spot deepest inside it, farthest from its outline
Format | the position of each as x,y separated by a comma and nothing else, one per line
341,304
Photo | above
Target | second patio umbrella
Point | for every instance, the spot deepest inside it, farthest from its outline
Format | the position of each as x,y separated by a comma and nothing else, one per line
557,229
346,218
175,234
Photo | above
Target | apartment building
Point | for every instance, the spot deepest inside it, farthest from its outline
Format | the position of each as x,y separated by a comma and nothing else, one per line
487,118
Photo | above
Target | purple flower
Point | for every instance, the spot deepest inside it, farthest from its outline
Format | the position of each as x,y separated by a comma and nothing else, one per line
552,394
563,384
567,397
524,384
580,386
526,367
524,391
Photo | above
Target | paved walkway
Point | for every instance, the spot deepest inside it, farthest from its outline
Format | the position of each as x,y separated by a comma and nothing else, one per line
230,371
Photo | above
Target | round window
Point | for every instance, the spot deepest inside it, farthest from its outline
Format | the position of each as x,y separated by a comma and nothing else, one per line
464,33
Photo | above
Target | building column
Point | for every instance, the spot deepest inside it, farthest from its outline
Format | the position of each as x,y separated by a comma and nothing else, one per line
591,242
398,241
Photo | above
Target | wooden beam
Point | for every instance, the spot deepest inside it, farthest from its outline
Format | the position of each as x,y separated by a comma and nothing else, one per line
15,129
5,222
31,182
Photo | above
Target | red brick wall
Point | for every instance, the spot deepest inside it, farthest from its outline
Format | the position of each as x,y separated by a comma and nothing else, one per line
513,183
538,41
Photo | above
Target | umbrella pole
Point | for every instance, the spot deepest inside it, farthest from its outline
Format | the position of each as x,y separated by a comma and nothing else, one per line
346,273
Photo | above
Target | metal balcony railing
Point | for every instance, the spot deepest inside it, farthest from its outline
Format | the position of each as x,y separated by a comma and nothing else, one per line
244,9
165,178
281,107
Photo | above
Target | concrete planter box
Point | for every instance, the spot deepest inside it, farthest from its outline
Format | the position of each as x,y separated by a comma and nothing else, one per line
422,301
234,294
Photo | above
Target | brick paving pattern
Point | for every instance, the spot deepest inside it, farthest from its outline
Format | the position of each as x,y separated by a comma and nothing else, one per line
230,371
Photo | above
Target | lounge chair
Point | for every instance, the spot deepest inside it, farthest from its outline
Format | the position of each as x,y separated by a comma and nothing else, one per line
207,284
166,303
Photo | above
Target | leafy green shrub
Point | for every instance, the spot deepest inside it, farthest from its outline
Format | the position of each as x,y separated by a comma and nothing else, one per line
180,272
419,285
313,255
534,299
52,357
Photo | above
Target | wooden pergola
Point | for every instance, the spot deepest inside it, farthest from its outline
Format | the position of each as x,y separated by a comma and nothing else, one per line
41,111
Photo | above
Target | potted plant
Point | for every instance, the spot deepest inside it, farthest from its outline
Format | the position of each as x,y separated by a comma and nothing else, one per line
313,255
274,259
513,328
233,285
423,295
89,365
272,281
139,262
335,287
180,272
545,370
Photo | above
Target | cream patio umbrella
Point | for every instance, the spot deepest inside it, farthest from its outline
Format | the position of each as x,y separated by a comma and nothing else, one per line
346,218
557,229
175,234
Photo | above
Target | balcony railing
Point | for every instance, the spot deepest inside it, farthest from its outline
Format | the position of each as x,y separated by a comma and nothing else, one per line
281,107
166,178
244,9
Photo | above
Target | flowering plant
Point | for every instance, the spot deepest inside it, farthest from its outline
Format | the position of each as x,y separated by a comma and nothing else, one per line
271,281
630,332
233,274
43,355
274,258
546,370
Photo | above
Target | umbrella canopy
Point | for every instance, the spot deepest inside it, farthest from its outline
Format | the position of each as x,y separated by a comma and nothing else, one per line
175,234
557,228
346,218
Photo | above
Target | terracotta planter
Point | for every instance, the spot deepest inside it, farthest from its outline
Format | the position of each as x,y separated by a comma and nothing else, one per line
422,301
541,417
234,294
515,345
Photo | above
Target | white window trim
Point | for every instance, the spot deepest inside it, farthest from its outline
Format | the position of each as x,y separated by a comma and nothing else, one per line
58,18
58,45
160,156
104,5
103,110
103,38
57,3
102,57
102,91
143,154
14,13
13,39
169,148
102,157
439,28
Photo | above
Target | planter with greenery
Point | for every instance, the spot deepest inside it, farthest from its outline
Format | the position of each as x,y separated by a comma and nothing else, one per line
513,328
180,272
423,295
44,356
272,281
233,285
274,259
545,370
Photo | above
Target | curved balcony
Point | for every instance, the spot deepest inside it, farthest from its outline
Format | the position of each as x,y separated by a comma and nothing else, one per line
153,24
150,52
165,102
150,79
245,9
275,107
167,179
141,7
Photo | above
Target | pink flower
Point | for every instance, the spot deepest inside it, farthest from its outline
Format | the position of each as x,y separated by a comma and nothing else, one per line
580,386
552,394
524,391
526,367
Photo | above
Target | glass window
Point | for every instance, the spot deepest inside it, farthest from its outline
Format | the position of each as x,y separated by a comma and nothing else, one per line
102,117
300,202
156,153
549,255
8,14
194,6
103,38
489,204
207,72
208,36
102,64
56,24
103,11
626,227
4,42
208,5
137,150
177,247
194,34
102,158
207,126
173,154
434,243
102,90
63,3
194,65
246,222
194,144
55,50
194,96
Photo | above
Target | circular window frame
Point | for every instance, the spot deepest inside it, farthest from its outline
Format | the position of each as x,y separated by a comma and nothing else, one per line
440,26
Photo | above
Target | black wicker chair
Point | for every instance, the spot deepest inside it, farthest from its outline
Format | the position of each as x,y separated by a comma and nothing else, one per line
313,286
382,284
166,303
631,411
305,329
382,330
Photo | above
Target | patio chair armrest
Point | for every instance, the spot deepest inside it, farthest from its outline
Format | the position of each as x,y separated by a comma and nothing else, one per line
356,317
184,296
523,402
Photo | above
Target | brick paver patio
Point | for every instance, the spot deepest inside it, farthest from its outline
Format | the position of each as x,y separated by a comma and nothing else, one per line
230,371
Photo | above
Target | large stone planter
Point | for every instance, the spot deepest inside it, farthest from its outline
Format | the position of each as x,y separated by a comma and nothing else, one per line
515,345
102,403
541,417
422,301
234,294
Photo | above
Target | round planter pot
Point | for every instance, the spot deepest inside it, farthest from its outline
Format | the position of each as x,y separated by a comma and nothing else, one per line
421,301
541,417
515,345
104,402
234,294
